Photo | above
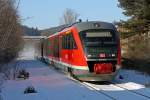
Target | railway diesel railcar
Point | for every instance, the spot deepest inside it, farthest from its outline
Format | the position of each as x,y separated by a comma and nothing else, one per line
90,51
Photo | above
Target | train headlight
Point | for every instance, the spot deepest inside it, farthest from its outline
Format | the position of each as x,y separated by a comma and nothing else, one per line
118,67
113,55
102,55
97,25
89,55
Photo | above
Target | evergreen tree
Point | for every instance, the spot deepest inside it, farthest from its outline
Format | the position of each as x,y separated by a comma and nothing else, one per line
138,11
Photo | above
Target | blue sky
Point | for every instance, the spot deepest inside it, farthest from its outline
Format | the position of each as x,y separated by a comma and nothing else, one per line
47,13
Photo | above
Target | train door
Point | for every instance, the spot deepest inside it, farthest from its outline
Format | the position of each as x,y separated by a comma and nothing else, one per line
72,46
56,47
57,55
60,47
68,48
69,52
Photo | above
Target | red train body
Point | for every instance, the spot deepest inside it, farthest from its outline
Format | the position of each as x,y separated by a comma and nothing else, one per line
90,51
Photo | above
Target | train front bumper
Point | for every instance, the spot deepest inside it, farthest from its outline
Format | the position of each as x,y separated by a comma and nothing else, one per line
96,77
87,76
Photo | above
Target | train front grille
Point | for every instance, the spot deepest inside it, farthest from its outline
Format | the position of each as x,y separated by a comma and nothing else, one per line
92,63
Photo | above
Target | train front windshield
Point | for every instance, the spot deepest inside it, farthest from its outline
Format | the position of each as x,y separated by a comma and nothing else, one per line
99,42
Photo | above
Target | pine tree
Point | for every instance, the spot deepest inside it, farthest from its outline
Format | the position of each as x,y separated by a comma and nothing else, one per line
138,11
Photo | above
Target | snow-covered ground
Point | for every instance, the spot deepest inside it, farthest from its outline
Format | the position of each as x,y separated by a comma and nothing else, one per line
50,85
53,85
133,76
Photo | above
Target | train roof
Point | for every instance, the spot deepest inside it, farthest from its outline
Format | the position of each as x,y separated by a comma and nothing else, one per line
82,26
53,30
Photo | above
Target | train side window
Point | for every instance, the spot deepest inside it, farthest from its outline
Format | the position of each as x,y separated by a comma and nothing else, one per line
63,42
72,42
56,47
49,47
68,42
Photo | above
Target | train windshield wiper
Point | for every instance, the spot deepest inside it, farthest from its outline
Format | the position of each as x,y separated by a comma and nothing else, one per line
109,43
93,43
100,43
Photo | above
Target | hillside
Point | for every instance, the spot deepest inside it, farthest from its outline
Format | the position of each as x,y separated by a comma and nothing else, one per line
27,31
52,30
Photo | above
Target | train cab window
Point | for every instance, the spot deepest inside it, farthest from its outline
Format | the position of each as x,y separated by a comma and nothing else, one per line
68,41
96,41
97,37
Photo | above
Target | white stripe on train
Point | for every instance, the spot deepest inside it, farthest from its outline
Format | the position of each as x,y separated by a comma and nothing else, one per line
68,65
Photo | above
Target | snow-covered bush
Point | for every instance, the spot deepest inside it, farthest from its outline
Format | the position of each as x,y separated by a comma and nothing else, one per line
23,74
30,89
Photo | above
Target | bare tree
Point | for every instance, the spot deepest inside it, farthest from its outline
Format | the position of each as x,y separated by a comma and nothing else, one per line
10,31
69,17
10,35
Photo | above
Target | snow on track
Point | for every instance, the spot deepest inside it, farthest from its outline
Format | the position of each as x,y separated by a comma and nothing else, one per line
135,88
120,93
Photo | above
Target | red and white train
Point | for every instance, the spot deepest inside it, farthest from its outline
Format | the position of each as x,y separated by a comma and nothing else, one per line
90,51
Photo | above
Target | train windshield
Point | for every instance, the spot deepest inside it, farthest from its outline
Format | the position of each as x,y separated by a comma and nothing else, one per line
98,38
98,41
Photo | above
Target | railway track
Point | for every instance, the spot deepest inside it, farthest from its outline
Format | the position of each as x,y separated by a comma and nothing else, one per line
98,90
131,86
118,91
